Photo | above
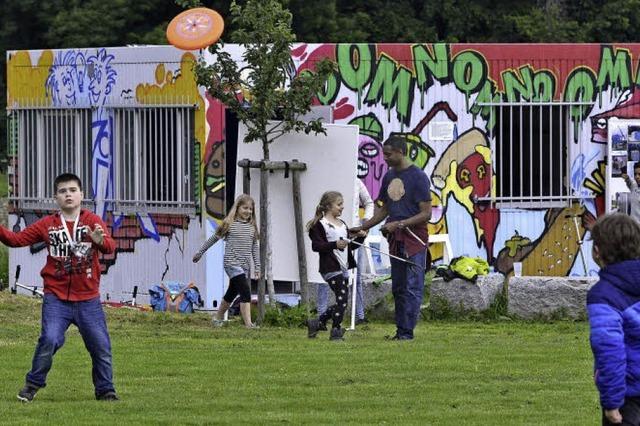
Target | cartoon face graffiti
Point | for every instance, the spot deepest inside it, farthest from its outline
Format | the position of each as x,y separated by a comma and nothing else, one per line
102,76
62,84
464,170
371,165
418,152
627,106
474,172
215,183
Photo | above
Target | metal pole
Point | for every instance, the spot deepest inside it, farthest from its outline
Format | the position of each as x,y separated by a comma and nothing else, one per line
380,251
584,262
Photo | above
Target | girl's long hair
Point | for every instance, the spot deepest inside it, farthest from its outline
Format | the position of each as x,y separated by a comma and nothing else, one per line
327,199
242,199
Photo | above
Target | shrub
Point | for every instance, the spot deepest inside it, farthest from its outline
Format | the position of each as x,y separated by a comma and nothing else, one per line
286,316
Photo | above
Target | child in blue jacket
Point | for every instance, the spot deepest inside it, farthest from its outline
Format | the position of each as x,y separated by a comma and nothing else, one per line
613,306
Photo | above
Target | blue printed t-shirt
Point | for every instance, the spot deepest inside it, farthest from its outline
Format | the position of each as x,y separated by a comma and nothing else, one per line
403,191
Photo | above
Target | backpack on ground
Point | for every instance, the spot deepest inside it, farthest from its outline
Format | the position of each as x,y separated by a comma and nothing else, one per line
175,297
465,267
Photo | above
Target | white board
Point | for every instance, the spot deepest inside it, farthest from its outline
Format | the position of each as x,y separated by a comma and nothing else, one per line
331,165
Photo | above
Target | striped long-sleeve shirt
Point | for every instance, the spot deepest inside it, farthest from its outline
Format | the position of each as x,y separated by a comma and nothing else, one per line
241,247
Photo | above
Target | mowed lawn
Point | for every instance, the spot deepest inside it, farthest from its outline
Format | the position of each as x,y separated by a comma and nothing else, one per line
173,369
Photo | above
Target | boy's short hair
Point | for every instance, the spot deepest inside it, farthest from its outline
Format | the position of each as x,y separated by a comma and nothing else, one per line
66,177
617,237
636,165
397,143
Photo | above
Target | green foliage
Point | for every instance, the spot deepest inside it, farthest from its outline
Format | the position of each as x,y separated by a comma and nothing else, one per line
287,317
188,4
177,369
266,87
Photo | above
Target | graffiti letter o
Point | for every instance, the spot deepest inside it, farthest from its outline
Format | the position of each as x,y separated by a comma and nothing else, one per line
354,63
580,87
329,92
469,71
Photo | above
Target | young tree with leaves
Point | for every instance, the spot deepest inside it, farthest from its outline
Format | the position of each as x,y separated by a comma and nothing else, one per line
263,29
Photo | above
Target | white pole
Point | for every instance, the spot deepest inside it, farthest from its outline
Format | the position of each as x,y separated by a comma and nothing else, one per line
225,285
354,294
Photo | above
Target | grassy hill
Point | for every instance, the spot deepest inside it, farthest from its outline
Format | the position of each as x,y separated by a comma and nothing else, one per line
176,369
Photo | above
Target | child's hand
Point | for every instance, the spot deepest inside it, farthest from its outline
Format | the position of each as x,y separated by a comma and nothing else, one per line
341,244
196,257
256,275
613,416
97,235
626,178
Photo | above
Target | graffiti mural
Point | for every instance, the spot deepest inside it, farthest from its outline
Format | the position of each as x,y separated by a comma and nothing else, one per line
103,80
438,97
402,89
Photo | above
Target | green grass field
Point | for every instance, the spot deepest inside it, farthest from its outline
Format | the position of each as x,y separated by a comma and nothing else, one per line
174,369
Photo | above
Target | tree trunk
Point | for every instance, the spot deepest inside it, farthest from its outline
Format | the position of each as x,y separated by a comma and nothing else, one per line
266,275
263,244
302,259
267,209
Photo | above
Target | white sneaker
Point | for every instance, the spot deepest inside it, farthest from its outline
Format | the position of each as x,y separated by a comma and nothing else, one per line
217,323
252,326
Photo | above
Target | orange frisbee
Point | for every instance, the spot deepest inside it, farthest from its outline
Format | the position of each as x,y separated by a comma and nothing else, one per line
195,29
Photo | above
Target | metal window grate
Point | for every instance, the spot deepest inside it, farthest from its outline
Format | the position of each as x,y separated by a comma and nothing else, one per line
153,155
531,153
154,152
50,141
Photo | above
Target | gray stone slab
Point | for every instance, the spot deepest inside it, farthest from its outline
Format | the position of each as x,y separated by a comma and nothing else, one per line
463,295
549,297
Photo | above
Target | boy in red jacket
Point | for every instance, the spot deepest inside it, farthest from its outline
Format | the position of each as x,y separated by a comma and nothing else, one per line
71,279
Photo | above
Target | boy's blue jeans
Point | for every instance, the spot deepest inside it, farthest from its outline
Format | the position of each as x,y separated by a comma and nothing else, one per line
88,316
407,286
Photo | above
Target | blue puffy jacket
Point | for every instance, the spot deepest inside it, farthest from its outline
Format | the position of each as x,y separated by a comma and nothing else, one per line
613,306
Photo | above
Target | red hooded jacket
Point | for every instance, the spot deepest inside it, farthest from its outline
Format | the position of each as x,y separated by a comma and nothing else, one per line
72,275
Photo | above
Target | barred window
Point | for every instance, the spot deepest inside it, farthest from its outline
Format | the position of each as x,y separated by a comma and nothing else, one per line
531,148
49,141
154,151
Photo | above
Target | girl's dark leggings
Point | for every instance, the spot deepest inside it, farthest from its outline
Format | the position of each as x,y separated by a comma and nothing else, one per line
238,285
339,287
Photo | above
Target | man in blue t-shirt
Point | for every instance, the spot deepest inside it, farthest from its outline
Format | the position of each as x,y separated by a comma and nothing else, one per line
405,200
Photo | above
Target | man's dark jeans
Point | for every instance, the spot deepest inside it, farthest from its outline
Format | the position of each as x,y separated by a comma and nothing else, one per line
88,316
407,286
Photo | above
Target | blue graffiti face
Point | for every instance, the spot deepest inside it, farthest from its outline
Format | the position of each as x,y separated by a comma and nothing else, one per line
102,77
63,83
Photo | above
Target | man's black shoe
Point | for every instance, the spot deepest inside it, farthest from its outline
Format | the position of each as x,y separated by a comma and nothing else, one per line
107,396
337,333
27,393
313,326
362,321
397,337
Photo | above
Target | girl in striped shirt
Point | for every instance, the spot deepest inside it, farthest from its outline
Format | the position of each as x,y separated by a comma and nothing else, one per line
241,256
